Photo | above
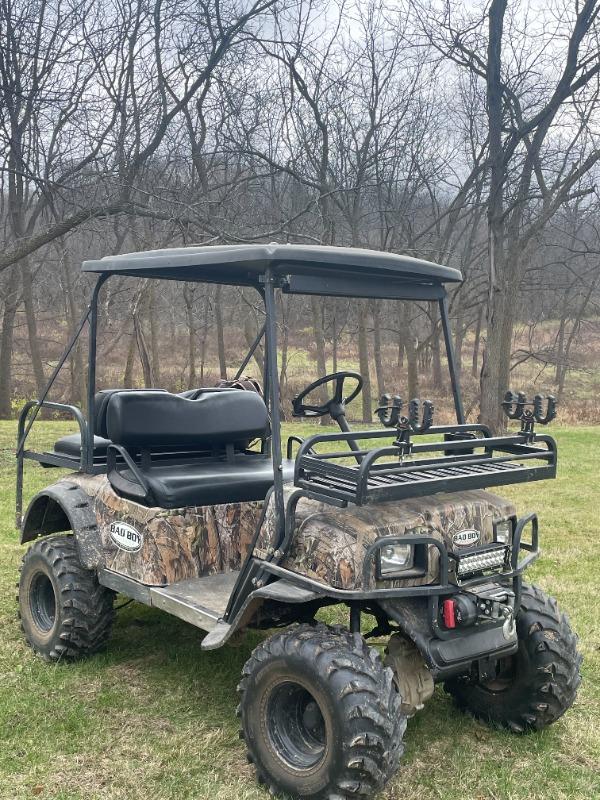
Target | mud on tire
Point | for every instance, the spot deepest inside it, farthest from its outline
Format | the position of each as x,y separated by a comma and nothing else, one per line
539,683
65,613
320,714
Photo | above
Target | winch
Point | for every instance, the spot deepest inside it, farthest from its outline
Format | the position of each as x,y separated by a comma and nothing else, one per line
489,602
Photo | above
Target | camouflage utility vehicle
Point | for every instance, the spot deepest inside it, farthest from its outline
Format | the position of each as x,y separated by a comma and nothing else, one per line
185,503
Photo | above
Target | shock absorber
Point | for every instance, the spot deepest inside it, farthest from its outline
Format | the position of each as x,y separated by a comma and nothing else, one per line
355,618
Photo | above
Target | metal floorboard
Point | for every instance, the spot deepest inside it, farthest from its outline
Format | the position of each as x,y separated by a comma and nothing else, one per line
200,601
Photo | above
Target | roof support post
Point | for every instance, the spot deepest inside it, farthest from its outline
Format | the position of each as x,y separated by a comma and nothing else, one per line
250,352
460,414
273,397
91,387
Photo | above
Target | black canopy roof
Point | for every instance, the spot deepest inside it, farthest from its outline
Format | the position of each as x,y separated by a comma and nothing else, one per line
303,269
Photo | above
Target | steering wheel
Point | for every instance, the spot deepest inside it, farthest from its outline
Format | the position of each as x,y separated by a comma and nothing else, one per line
335,405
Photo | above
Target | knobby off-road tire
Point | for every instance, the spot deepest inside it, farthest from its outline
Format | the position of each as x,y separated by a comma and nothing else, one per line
539,683
320,714
65,613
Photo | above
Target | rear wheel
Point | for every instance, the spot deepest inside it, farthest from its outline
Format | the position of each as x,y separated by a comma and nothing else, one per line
535,687
320,714
65,613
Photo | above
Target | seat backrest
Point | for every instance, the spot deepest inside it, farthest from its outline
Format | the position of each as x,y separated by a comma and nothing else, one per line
101,401
147,420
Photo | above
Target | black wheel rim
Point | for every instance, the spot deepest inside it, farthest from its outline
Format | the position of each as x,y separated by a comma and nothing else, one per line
296,726
42,602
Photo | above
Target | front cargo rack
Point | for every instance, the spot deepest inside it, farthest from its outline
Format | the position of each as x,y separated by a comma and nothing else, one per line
468,457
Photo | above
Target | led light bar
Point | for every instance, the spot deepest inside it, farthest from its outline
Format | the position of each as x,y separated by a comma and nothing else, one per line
478,562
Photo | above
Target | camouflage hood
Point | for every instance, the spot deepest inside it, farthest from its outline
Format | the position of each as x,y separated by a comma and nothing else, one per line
330,544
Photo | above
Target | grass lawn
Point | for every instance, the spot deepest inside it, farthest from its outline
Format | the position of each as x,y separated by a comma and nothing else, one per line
153,716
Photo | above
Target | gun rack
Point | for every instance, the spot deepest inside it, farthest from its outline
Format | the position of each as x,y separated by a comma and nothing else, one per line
541,410
465,457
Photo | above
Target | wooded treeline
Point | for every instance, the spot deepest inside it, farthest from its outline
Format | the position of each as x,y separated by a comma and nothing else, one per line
464,133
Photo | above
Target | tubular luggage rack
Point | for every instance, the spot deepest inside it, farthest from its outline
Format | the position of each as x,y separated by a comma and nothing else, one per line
469,458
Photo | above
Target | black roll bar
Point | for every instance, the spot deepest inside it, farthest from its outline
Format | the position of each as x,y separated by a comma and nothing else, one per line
22,433
91,388
272,392
251,351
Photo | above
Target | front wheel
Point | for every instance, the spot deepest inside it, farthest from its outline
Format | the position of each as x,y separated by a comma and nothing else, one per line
535,687
320,714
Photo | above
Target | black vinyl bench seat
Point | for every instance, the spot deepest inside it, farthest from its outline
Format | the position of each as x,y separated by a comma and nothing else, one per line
171,451
71,445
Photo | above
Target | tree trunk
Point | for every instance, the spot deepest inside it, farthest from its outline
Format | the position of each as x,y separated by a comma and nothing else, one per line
334,342
251,326
317,324
319,336
78,392
400,350
412,361
438,380
494,373
143,351
477,344
250,334
363,360
560,346
130,362
379,371
411,349
459,339
188,299
34,344
154,349
575,327
6,343
203,340
220,333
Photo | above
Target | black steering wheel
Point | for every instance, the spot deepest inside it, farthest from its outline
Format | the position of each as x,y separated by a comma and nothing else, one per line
335,405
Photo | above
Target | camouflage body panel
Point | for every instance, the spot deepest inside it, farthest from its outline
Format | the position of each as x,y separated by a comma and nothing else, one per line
329,544
177,543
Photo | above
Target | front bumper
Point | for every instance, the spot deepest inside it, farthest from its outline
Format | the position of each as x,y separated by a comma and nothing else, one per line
519,555
446,582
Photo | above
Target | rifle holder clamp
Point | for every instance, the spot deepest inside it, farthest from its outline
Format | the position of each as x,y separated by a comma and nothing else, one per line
542,410
419,419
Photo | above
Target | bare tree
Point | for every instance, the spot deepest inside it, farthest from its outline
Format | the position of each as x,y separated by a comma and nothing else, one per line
540,147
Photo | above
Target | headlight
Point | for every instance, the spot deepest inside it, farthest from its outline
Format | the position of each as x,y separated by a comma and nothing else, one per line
395,558
504,531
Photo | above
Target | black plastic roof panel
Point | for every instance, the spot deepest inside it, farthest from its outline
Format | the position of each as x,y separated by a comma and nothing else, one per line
244,264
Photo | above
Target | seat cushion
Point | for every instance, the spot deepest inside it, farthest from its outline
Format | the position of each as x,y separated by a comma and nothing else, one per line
71,446
210,482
